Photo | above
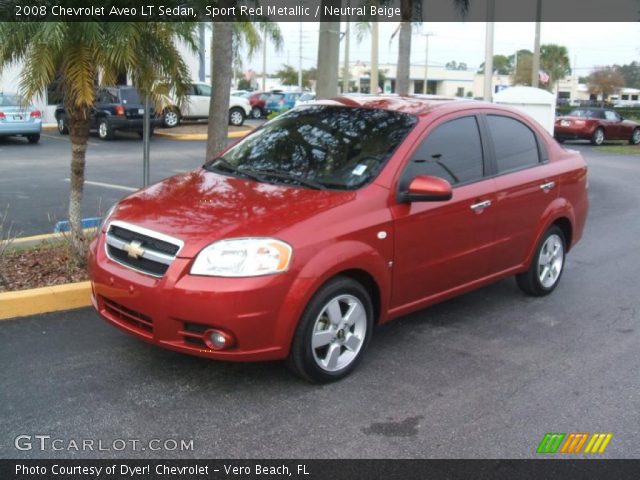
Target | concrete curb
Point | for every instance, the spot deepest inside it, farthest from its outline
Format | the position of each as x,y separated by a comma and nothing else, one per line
36,239
44,300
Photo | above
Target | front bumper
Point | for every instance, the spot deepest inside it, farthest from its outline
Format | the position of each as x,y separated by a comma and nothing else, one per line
175,310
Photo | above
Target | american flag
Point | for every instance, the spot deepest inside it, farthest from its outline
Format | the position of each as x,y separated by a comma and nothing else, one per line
543,76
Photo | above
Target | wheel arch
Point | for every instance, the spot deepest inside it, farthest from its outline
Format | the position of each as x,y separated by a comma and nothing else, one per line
363,264
560,212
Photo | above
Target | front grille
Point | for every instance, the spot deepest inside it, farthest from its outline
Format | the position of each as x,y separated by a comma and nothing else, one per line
145,240
193,334
141,249
126,315
142,264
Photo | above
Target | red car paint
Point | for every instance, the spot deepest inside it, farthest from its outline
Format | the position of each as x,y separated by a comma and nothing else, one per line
582,123
409,255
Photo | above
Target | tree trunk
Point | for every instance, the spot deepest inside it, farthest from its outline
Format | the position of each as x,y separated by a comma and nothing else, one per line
404,58
221,73
328,60
78,124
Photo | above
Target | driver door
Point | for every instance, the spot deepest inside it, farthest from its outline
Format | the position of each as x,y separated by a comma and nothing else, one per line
441,246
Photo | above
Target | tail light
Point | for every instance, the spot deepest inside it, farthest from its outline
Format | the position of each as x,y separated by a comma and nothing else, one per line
2,116
36,114
120,110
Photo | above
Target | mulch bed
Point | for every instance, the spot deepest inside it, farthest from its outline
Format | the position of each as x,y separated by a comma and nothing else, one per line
40,266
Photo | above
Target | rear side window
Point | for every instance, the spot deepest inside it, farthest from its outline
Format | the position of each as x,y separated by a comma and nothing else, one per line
514,143
452,151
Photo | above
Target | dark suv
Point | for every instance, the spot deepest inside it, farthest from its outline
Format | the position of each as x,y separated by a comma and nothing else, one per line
116,109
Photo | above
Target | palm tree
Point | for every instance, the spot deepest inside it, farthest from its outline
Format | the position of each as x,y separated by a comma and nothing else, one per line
411,10
554,60
227,39
82,54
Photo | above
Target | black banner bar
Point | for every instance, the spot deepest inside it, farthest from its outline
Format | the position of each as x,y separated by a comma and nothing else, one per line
315,10
318,469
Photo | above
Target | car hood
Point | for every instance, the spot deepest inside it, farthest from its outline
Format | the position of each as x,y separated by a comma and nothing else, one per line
200,207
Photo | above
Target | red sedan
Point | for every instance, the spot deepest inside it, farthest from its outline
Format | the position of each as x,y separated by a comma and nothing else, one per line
335,217
596,125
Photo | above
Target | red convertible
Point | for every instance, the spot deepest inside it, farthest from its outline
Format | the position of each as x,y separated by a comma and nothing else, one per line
596,125
335,217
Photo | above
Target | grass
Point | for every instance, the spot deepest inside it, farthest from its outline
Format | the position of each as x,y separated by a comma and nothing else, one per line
622,149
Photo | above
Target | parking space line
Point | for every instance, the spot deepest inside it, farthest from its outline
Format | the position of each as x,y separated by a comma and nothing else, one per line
108,185
66,139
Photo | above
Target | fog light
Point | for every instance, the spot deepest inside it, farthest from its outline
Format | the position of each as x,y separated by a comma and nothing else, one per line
218,340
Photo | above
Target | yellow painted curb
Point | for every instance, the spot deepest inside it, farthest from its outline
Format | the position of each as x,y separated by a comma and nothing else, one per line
44,236
199,136
44,300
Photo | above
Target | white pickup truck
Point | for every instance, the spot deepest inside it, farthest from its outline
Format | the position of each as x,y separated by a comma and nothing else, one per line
196,107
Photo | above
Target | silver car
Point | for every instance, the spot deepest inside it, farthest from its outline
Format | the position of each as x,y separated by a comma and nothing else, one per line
18,119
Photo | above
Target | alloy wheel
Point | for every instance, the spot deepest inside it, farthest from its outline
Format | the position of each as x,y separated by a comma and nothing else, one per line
338,333
550,261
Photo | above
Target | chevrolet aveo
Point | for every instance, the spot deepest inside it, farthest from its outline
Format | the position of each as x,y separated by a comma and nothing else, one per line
332,218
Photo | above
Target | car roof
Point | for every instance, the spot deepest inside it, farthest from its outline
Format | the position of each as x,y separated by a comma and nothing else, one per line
412,104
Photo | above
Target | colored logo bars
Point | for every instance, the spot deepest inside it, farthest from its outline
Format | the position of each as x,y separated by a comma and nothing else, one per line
573,442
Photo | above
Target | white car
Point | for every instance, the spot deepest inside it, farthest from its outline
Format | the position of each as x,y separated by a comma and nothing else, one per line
196,107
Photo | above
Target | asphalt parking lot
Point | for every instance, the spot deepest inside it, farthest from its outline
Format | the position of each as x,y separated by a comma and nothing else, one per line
485,375
34,178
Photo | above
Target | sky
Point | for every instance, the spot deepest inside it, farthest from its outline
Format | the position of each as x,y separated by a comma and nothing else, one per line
590,44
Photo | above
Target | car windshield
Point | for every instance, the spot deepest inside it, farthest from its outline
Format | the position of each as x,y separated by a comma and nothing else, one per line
9,100
320,146
129,95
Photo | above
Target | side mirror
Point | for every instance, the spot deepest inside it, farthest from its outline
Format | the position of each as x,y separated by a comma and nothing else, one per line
425,188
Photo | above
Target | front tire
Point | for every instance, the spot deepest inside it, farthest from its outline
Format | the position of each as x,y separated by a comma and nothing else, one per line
236,117
598,136
104,130
547,265
635,137
171,117
333,332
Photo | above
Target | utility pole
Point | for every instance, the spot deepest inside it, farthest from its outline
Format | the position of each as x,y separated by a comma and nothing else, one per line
535,66
373,78
345,74
488,52
300,57
264,58
328,58
201,51
425,88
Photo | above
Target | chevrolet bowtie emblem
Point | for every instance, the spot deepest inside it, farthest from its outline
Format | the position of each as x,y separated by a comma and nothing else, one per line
134,249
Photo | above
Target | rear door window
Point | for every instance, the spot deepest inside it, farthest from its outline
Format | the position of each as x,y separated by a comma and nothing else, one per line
452,151
514,143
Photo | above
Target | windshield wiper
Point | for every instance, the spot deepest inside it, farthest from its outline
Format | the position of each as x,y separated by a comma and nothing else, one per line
290,176
222,165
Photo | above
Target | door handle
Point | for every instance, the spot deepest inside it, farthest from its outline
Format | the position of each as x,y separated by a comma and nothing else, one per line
547,186
481,205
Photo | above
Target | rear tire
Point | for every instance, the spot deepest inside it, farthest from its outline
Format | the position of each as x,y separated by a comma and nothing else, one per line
635,137
598,136
333,332
256,112
104,130
62,125
33,139
547,265
236,117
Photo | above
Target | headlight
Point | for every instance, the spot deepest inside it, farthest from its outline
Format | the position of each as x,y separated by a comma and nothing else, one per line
107,215
243,257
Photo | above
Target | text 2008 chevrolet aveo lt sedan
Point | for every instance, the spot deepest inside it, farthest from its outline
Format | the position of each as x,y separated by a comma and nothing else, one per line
335,217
